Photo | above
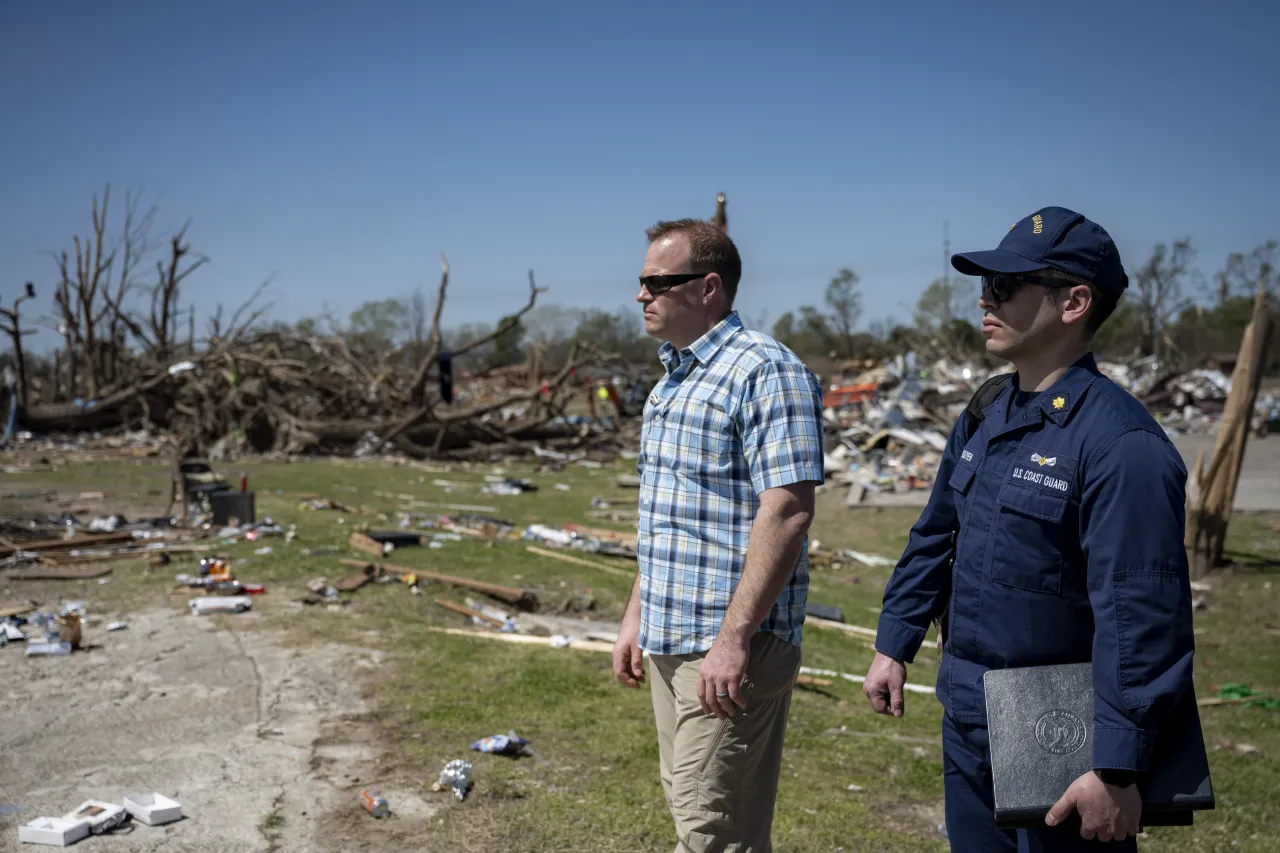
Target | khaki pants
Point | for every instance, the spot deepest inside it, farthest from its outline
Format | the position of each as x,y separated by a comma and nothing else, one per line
720,777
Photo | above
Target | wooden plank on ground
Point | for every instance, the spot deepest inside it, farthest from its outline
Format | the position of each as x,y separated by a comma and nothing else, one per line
605,534
467,611
59,574
579,561
64,560
39,545
525,598
524,639
818,622
859,679
16,609
357,580
822,679
866,635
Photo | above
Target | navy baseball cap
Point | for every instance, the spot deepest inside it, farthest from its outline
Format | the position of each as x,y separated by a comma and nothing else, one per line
1053,238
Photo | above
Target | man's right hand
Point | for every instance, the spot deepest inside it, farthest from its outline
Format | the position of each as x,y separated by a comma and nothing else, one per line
884,684
628,659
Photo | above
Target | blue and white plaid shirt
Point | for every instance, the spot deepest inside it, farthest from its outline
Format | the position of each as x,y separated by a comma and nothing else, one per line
736,414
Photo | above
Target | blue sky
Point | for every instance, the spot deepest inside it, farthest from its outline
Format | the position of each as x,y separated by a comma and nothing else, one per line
340,147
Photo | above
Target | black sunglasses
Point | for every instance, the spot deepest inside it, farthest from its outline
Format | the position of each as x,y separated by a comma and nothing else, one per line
1000,287
658,284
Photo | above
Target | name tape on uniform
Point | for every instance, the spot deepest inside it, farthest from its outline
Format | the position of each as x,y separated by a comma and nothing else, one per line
1040,478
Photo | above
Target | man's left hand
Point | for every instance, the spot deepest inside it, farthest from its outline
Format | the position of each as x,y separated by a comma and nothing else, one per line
1106,812
720,677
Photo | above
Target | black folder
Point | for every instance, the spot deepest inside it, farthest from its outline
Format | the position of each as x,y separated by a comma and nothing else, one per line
1040,723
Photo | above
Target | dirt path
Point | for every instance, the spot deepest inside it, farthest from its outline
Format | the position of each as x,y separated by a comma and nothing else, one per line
262,743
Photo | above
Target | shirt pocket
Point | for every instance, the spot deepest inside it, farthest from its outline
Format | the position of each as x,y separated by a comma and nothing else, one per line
698,434
1027,551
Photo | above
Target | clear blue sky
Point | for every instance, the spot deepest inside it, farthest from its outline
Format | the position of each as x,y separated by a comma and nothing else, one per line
341,146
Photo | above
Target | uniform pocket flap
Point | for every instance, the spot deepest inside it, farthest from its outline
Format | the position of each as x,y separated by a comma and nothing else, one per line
961,478
1033,502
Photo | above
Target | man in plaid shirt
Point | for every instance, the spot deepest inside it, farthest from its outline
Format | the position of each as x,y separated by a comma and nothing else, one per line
730,452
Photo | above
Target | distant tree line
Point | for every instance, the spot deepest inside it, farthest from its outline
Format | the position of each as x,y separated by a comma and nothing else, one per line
402,324
119,299
1171,311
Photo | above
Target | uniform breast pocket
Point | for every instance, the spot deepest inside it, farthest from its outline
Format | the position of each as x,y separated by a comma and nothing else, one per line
1027,553
961,478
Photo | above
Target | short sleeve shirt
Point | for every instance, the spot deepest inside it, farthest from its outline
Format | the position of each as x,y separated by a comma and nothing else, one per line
736,414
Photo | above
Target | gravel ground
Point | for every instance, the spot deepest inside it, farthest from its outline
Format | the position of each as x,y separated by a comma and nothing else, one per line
263,744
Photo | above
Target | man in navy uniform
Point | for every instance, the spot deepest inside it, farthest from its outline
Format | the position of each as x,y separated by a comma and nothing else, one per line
1054,534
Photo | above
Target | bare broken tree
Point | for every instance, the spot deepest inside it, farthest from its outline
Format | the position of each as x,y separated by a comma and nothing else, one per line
284,389
1160,285
15,332
418,312
1242,273
93,287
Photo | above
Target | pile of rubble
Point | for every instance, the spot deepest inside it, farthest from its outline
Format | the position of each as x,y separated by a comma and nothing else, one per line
886,427
1188,402
252,388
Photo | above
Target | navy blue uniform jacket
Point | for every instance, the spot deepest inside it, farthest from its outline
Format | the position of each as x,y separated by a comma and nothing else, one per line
1070,521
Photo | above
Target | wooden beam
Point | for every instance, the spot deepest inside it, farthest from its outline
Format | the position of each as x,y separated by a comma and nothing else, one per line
64,560
519,597
467,611
40,545
839,626
353,582
54,574
579,561
523,639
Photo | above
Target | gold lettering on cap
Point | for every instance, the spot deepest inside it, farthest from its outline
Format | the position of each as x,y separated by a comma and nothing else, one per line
1037,224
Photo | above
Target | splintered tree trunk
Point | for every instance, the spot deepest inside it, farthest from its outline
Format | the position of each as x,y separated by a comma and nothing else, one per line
1210,496
73,370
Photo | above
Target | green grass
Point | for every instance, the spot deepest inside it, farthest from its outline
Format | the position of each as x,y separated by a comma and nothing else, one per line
594,783
271,824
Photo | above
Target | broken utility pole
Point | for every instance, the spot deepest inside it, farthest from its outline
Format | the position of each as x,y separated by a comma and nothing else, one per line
721,217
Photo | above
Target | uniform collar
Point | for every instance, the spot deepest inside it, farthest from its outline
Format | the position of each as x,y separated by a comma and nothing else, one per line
1064,396
1055,404
705,347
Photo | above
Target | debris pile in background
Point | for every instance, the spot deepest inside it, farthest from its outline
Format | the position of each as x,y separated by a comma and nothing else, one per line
1189,402
886,427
